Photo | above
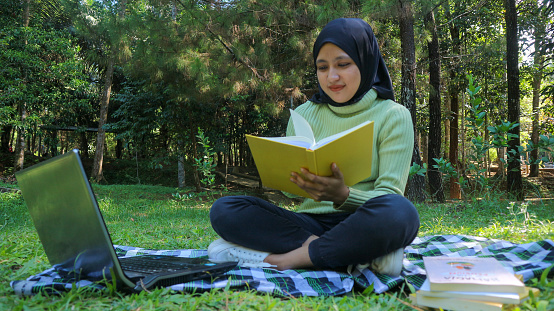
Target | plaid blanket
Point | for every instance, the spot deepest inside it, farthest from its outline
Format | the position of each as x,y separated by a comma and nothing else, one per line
529,260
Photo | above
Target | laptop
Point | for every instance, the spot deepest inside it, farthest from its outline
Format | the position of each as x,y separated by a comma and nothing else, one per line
75,238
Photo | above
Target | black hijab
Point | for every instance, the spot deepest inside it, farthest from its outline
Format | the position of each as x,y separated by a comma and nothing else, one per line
356,38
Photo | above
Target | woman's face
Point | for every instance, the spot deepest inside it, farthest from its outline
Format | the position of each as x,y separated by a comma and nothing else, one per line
338,75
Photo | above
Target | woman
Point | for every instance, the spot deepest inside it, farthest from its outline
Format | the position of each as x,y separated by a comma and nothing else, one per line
367,224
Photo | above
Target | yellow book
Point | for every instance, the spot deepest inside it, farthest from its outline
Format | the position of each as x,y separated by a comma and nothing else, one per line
457,304
277,157
509,298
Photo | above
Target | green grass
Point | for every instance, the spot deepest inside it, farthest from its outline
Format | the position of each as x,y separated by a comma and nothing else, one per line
153,217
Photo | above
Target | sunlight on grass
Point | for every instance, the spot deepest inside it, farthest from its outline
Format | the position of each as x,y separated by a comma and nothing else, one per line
164,223
490,220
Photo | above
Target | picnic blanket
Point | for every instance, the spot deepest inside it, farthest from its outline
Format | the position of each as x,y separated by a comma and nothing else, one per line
529,260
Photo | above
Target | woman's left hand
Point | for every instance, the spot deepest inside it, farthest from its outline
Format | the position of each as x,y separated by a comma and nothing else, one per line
322,188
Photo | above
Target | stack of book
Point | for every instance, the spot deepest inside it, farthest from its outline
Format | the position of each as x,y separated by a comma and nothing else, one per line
465,283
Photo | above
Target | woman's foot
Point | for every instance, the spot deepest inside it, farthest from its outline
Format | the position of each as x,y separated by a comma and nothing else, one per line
389,264
295,259
221,251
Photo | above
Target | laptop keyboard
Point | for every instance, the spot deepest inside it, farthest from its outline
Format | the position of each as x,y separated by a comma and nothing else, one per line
145,265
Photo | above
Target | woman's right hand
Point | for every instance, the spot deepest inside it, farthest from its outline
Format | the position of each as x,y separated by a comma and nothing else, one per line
322,188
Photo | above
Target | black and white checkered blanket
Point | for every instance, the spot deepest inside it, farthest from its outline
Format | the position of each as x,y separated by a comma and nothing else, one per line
529,260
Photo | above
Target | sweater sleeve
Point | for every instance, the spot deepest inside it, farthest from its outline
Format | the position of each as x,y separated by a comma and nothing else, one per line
394,147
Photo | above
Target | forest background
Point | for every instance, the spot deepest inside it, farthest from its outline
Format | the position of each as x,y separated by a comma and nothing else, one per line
174,85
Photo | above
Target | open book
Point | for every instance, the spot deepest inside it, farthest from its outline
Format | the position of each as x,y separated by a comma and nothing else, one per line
277,157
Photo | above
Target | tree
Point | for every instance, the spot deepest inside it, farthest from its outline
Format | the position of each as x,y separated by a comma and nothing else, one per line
547,50
415,189
40,73
264,47
234,67
102,28
103,117
435,117
514,180
539,28
112,54
22,106
453,93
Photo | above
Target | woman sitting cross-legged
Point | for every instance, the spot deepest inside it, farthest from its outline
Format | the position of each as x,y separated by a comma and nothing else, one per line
367,224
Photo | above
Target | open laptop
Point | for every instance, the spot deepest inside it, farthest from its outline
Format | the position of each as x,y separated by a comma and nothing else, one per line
75,238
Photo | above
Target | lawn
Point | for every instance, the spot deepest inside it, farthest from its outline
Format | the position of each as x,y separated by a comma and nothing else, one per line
156,217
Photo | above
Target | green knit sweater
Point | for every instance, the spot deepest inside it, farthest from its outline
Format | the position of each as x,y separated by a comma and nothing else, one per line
393,144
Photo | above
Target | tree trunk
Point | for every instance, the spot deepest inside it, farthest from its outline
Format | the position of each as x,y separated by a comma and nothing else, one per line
424,143
5,138
514,182
454,90
40,151
54,143
538,61
26,13
20,143
415,189
101,136
105,101
119,149
447,130
193,130
84,144
22,109
435,137
181,169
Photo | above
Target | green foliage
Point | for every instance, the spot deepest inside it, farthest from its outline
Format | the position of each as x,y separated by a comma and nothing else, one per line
477,114
545,145
139,116
40,68
229,67
548,127
205,163
445,167
481,145
40,73
501,133
417,169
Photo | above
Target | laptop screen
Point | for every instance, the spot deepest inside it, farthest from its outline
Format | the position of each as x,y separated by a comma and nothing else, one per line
66,216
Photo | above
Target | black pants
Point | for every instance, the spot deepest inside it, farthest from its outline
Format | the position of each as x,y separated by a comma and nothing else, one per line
378,227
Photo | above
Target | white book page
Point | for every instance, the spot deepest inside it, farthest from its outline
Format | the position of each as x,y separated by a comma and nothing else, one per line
292,140
302,127
329,139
